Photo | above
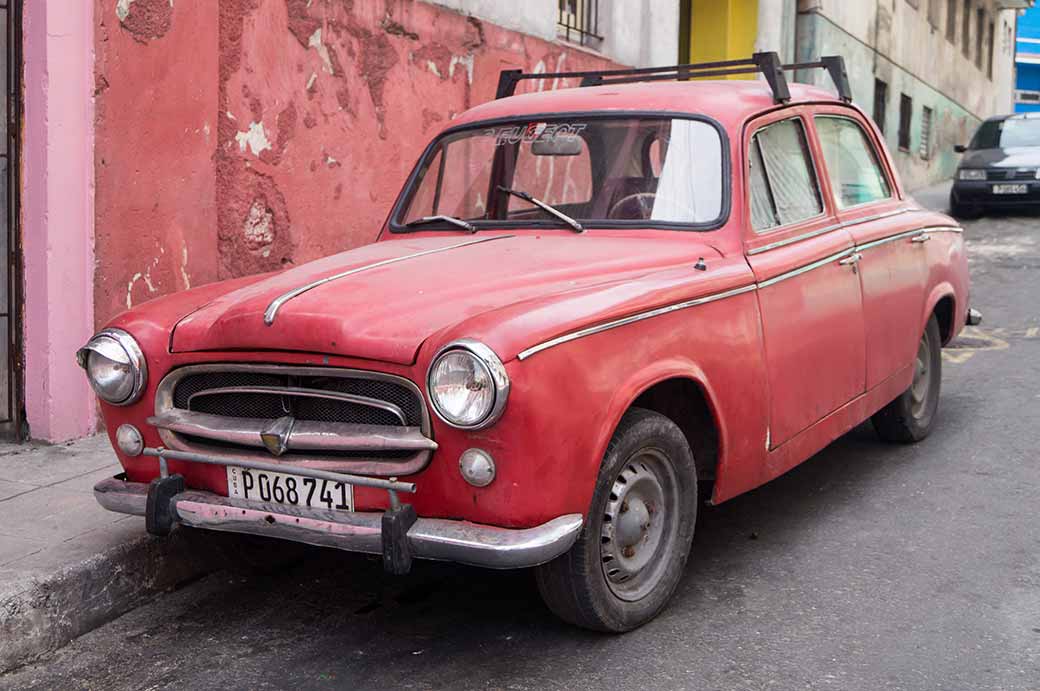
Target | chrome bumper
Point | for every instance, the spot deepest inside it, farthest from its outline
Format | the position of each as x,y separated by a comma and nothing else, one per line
974,317
428,538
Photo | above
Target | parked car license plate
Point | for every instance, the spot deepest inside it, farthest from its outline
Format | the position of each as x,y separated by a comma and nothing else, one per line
283,488
1010,189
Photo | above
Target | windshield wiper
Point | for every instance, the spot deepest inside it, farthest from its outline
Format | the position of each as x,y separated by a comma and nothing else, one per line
544,207
446,219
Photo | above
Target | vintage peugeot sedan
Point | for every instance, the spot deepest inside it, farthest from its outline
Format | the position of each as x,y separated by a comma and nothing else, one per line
589,312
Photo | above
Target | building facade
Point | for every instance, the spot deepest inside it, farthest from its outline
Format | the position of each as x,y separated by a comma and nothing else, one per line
1027,62
170,144
928,71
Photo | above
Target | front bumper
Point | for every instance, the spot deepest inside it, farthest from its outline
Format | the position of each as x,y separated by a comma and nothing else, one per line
427,538
981,192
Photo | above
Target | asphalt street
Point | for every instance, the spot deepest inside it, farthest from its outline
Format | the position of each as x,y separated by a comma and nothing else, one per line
871,566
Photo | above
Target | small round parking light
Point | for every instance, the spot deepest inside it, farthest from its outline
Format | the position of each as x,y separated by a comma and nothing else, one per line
129,440
477,467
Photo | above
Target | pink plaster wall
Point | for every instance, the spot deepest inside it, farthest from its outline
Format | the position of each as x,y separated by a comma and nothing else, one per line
244,136
57,221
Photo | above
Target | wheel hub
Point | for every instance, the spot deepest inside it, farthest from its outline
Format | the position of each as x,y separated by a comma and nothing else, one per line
639,524
922,377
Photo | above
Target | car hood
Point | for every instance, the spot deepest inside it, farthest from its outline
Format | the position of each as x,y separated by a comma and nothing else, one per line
383,300
1014,157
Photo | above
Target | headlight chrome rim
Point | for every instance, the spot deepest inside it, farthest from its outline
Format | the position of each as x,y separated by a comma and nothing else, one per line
138,365
494,368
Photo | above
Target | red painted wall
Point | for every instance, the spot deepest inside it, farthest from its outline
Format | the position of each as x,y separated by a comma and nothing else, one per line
240,136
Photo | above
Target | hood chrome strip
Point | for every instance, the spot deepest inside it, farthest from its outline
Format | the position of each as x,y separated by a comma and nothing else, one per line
272,310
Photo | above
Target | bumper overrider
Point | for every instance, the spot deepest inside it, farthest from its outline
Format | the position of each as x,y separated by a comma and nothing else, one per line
398,534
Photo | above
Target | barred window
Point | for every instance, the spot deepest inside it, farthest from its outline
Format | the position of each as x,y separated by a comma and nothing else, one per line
578,21
926,133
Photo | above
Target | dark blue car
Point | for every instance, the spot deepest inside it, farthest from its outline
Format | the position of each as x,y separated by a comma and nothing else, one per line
1001,166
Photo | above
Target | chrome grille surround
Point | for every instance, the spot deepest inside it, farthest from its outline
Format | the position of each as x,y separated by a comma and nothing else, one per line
369,438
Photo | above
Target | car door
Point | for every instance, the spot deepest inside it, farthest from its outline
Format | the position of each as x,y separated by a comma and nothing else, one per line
804,263
893,269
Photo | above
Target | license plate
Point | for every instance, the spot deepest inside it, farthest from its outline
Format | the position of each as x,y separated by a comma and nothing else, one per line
1010,189
283,488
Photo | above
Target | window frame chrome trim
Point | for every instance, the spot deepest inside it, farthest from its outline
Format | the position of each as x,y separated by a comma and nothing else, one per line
882,164
272,309
814,168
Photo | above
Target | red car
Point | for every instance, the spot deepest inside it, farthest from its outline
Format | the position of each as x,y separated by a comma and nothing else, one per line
589,311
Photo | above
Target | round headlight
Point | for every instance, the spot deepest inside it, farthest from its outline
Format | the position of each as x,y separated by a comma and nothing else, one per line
468,385
115,366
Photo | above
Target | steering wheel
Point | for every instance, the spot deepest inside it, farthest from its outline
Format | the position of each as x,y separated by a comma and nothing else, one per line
638,206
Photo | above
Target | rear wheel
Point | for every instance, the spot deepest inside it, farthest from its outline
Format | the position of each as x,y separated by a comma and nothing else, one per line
910,417
631,553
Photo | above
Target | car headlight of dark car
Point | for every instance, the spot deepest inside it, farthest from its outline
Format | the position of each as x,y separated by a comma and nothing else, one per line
971,174
115,366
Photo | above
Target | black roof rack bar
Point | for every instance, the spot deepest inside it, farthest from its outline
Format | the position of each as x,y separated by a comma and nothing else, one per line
768,64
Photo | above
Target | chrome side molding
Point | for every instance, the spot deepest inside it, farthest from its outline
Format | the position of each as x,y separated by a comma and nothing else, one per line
850,255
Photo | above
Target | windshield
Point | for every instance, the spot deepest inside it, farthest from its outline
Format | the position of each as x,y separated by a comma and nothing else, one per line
595,170
1008,133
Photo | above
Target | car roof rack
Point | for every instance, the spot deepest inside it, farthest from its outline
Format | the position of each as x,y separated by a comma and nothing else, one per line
767,63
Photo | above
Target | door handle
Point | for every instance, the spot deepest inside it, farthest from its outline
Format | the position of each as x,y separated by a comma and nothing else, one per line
923,237
852,259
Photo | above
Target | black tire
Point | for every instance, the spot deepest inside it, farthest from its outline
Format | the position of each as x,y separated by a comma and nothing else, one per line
630,555
910,417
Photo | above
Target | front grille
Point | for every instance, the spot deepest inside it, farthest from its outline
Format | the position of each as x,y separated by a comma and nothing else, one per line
209,408
189,394
999,174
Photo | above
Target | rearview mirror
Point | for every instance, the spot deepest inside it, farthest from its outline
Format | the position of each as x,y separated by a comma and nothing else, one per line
960,148
559,144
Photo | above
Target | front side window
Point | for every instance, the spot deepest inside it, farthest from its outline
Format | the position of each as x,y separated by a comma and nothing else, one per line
617,170
783,185
852,166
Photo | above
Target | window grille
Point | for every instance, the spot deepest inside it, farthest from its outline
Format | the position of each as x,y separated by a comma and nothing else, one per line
578,21
880,103
926,133
906,112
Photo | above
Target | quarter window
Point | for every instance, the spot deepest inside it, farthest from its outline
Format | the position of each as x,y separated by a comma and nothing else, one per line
783,185
852,164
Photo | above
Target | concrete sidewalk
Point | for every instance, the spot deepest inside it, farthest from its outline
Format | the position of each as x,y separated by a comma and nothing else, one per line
67,565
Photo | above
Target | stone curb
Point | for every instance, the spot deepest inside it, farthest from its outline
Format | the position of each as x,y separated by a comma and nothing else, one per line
42,615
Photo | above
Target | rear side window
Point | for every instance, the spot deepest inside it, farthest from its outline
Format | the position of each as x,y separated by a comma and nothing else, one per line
783,185
852,163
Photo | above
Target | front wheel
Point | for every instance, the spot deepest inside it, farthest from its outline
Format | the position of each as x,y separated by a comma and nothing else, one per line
631,553
964,211
910,417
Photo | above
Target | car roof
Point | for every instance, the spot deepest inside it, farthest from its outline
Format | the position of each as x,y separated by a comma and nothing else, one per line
728,101
1014,116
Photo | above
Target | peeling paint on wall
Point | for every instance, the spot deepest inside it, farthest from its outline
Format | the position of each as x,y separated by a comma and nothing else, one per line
145,19
255,138
371,82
